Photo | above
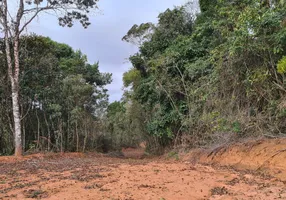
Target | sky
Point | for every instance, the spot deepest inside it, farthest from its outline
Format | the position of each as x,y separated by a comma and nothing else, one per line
102,40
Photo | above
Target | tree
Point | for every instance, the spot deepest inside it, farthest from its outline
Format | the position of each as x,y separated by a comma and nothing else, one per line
220,73
13,27
137,35
62,96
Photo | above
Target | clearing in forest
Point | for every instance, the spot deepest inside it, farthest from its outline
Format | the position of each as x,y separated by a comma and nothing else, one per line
100,177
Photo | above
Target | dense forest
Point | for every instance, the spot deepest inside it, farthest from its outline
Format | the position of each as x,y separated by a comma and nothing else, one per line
62,98
198,79
205,78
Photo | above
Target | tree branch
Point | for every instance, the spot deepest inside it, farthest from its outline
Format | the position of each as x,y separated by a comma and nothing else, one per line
33,17
37,10
19,17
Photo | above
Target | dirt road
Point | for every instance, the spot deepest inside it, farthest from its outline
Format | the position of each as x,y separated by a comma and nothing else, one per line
97,177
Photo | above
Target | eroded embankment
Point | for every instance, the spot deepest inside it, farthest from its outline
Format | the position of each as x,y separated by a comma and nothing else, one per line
265,156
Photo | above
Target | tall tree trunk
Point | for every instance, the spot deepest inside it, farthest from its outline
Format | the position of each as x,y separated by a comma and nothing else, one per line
15,98
15,95
14,72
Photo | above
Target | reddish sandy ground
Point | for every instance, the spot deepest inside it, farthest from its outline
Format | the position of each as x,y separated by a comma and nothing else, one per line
99,177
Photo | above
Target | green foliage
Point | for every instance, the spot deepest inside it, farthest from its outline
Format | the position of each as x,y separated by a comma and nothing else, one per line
114,108
133,75
236,126
281,66
195,80
206,5
211,77
173,154
62,95
124,124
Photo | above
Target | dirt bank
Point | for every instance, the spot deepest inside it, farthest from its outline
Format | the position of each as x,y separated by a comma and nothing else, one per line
265,157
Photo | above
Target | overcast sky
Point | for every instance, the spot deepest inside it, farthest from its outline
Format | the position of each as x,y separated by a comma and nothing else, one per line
102,40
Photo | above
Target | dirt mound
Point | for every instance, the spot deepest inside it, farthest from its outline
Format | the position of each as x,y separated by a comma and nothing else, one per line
266,157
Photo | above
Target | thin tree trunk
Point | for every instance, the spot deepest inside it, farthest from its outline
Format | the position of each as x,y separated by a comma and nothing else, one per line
85,137
24,136
56,134
77,137
67,133
61,134
49,131
38,130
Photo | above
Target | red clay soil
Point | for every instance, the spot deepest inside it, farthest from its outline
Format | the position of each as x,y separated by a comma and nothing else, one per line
265,157
99,177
